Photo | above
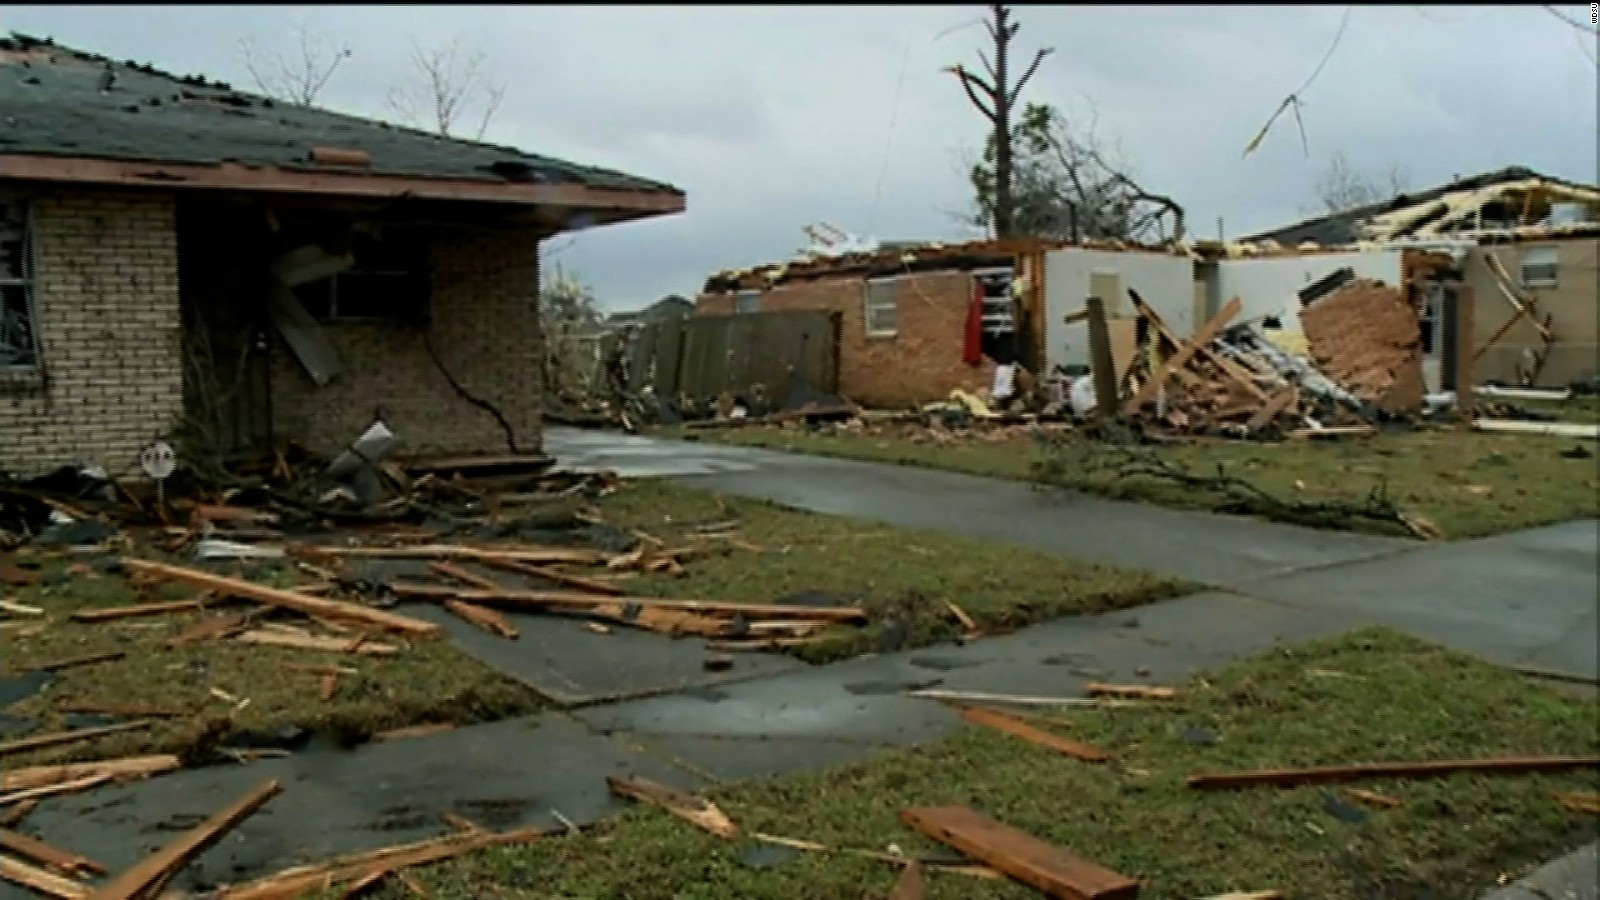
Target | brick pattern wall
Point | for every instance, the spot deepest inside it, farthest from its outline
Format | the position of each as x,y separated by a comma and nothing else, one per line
921,363
486,332
106,292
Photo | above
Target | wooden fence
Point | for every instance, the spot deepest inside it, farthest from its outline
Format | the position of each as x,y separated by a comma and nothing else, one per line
702,356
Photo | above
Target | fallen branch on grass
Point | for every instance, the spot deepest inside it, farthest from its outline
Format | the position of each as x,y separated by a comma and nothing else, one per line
1292,777
1123,462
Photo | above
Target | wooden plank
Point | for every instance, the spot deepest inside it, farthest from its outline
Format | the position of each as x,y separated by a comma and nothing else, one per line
1510,765
123,767
317,643
1102,368
17,812
549,574
483,617
696,811
220,626
911,884
48,883
157,868
570,599
473,579
1230,368
50,790
1187,352
295,882
1046,867
1275,404
128,612
536,555
56,738
138,710
270,596
1017,728
87,659
1136,691
38,851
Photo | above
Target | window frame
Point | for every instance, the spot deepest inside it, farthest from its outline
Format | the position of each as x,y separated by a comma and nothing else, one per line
417,314
869,304
1554,265
28,282
741,296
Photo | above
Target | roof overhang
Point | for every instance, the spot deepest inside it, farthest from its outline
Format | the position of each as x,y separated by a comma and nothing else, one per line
598,204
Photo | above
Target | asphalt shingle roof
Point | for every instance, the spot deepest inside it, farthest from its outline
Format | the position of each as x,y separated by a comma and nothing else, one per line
54,101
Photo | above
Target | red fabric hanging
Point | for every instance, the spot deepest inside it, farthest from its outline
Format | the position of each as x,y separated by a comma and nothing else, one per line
972,347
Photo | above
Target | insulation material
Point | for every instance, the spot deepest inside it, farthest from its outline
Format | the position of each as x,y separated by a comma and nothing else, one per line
1366,337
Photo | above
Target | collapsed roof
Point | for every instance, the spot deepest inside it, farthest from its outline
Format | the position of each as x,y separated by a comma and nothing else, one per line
1511,200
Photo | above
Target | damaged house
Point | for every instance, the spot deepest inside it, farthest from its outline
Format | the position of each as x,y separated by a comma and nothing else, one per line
181,261
1527,245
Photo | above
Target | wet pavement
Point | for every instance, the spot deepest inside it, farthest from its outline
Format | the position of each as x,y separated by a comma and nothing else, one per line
1527,598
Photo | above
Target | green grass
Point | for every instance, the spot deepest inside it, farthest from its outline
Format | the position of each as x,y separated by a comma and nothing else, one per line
1468,484
1396,699
432,681
896,574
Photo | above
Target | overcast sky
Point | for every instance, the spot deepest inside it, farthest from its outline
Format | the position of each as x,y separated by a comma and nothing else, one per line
775,117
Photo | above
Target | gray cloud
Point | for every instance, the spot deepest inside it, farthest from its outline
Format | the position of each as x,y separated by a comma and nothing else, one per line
775,117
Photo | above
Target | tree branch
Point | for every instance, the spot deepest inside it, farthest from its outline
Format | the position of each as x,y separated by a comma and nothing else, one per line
967,81
1038,58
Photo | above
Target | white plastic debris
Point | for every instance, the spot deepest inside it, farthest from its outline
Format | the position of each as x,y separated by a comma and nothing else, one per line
1080,396
372,446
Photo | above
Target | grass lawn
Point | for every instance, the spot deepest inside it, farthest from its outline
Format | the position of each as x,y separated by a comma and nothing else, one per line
900,576
431,681
1389,697
1468,484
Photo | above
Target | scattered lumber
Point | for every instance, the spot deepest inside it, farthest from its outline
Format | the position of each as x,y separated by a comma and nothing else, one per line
128,612
124,767
1134,691
536,555
40,852
61,787
292,883
968,623
1578,801
1580,430
1017,728
328,683
17,812
316,642
88,659
220,626
1053,870
893,859
48,883
456,573
270,596
483,617
1292,777
128,710
20,609
696,811
411,731
154,872
670,622
572,599
56,738
1372,798
1011,699
458,821
549,574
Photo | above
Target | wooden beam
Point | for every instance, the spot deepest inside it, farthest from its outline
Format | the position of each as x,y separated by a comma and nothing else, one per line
124,767
236,177
697,811
1332,774
48,883
157,868
1046,867
38,851
271,596
562,578
1187,352
56,738
128,612
1232,369
574,600
1102,367
483,617
1018,728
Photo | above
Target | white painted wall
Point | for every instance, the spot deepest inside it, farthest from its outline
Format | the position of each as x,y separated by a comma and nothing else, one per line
1267,287
1165,282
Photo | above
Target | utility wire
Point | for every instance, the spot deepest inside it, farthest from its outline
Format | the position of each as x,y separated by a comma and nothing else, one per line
1293,100
888,141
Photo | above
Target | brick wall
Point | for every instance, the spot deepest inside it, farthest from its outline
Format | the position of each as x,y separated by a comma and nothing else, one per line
106,293
920,363
486,332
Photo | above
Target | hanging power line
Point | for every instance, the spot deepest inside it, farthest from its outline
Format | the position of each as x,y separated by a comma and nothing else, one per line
1293,101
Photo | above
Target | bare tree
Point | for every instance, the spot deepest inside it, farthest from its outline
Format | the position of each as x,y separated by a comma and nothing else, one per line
996,97
1344,188
1070,185
299,79
450,80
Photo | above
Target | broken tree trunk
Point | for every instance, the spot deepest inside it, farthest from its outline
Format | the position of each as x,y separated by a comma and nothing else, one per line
270,596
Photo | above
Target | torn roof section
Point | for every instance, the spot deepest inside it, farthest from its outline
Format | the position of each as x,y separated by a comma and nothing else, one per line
1514,201
73,116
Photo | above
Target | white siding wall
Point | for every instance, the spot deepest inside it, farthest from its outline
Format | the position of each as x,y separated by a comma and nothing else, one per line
1267,287
1165,282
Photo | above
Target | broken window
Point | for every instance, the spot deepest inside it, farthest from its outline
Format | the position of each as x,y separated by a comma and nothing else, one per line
1539,266
999,314
19,339
880,311
747,301
388,283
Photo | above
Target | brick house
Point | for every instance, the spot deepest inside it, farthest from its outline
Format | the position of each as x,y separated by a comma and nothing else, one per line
182,261
903,314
